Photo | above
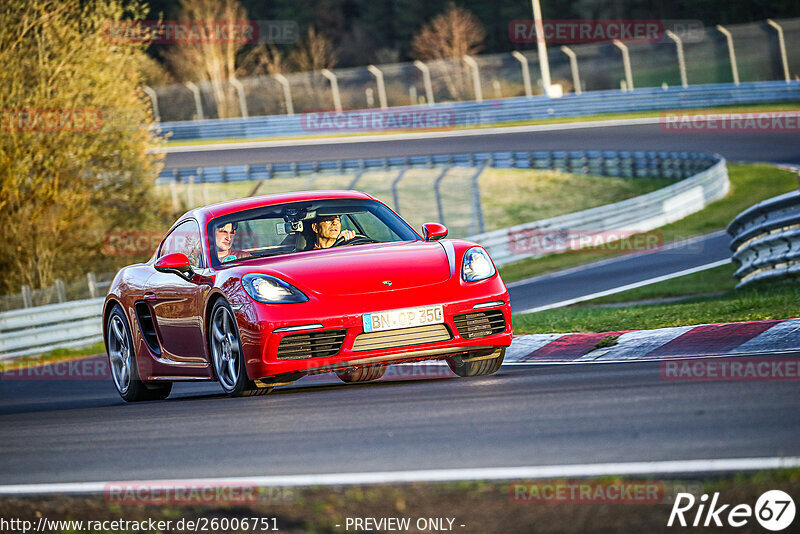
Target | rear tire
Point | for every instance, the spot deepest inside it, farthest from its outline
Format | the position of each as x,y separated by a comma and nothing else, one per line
477,367
227,356
353,375
122,362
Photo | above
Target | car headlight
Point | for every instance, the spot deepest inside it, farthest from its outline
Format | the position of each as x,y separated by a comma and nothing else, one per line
477,265
271,290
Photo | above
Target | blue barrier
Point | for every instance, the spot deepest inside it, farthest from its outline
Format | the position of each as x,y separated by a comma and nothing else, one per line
465,114
629,164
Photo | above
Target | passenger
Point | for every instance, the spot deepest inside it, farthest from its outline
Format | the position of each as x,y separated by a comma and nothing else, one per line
223,237
327,229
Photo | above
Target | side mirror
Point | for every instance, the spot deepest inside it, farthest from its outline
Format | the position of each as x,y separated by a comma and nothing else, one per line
176,263
433,231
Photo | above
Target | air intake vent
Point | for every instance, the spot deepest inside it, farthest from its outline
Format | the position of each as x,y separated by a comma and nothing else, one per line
401,338
312,345
480,324
148,326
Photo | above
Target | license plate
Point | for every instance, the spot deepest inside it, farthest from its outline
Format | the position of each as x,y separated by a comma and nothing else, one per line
406,318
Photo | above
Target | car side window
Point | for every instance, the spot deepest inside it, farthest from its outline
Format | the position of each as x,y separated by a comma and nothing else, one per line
185,238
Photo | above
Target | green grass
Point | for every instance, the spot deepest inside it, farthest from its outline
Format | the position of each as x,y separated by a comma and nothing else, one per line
55,355
769,300
782,106
750,183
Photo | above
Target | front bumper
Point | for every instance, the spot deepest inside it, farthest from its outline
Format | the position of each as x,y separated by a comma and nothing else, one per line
257,325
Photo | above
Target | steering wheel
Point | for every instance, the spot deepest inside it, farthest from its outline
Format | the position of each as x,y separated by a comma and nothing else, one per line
358,239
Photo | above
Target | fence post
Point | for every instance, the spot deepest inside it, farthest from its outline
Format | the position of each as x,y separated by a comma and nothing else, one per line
27,301
381,86
541,47
782,45
395,193
198,104
681,59
526,73
242,100
426,80
476,77
60,290
573,66
287,92
190,191
731,52
92,279
477,207
337,100
153,102
437,190
626,63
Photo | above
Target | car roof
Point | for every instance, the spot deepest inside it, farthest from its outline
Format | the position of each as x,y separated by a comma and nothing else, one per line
212,211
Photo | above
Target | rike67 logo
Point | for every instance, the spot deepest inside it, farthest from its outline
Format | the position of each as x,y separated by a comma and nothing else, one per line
774,510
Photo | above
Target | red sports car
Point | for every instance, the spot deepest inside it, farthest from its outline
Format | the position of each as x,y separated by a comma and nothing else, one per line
259,292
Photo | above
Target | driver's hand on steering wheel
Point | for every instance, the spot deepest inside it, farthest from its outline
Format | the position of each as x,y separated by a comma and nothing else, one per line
347,235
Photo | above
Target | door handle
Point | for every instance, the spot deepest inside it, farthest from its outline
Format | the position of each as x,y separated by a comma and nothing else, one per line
150,296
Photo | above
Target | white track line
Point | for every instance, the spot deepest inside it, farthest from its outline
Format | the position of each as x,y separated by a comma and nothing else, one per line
433,475
405,136
627,287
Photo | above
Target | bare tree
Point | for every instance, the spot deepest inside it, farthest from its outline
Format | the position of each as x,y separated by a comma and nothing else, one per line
315,52
211,60
449,37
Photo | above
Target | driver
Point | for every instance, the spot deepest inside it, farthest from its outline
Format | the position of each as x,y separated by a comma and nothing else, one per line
223,238
327,229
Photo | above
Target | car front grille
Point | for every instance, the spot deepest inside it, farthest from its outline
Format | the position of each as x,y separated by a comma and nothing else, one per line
480,324
401,338
311,345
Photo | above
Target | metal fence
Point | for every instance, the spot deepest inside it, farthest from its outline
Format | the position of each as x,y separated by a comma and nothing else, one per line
766,239
757,52
93,286
470,114
452,195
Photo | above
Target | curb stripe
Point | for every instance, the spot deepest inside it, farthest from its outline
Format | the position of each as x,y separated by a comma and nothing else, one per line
711,339
569,346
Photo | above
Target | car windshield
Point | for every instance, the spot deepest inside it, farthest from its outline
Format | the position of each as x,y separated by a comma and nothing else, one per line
302,226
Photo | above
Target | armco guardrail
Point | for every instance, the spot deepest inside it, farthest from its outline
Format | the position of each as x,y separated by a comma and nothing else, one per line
766,239
43,328
704,179
461,114
610,222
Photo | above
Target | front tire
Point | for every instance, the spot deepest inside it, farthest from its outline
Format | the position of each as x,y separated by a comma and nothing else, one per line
122,361
227,356
477,365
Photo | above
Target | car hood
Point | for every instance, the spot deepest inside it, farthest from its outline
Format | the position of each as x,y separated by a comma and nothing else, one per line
362,268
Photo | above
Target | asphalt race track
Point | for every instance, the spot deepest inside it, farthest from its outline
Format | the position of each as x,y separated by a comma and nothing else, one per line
524,415
775,147
627,269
